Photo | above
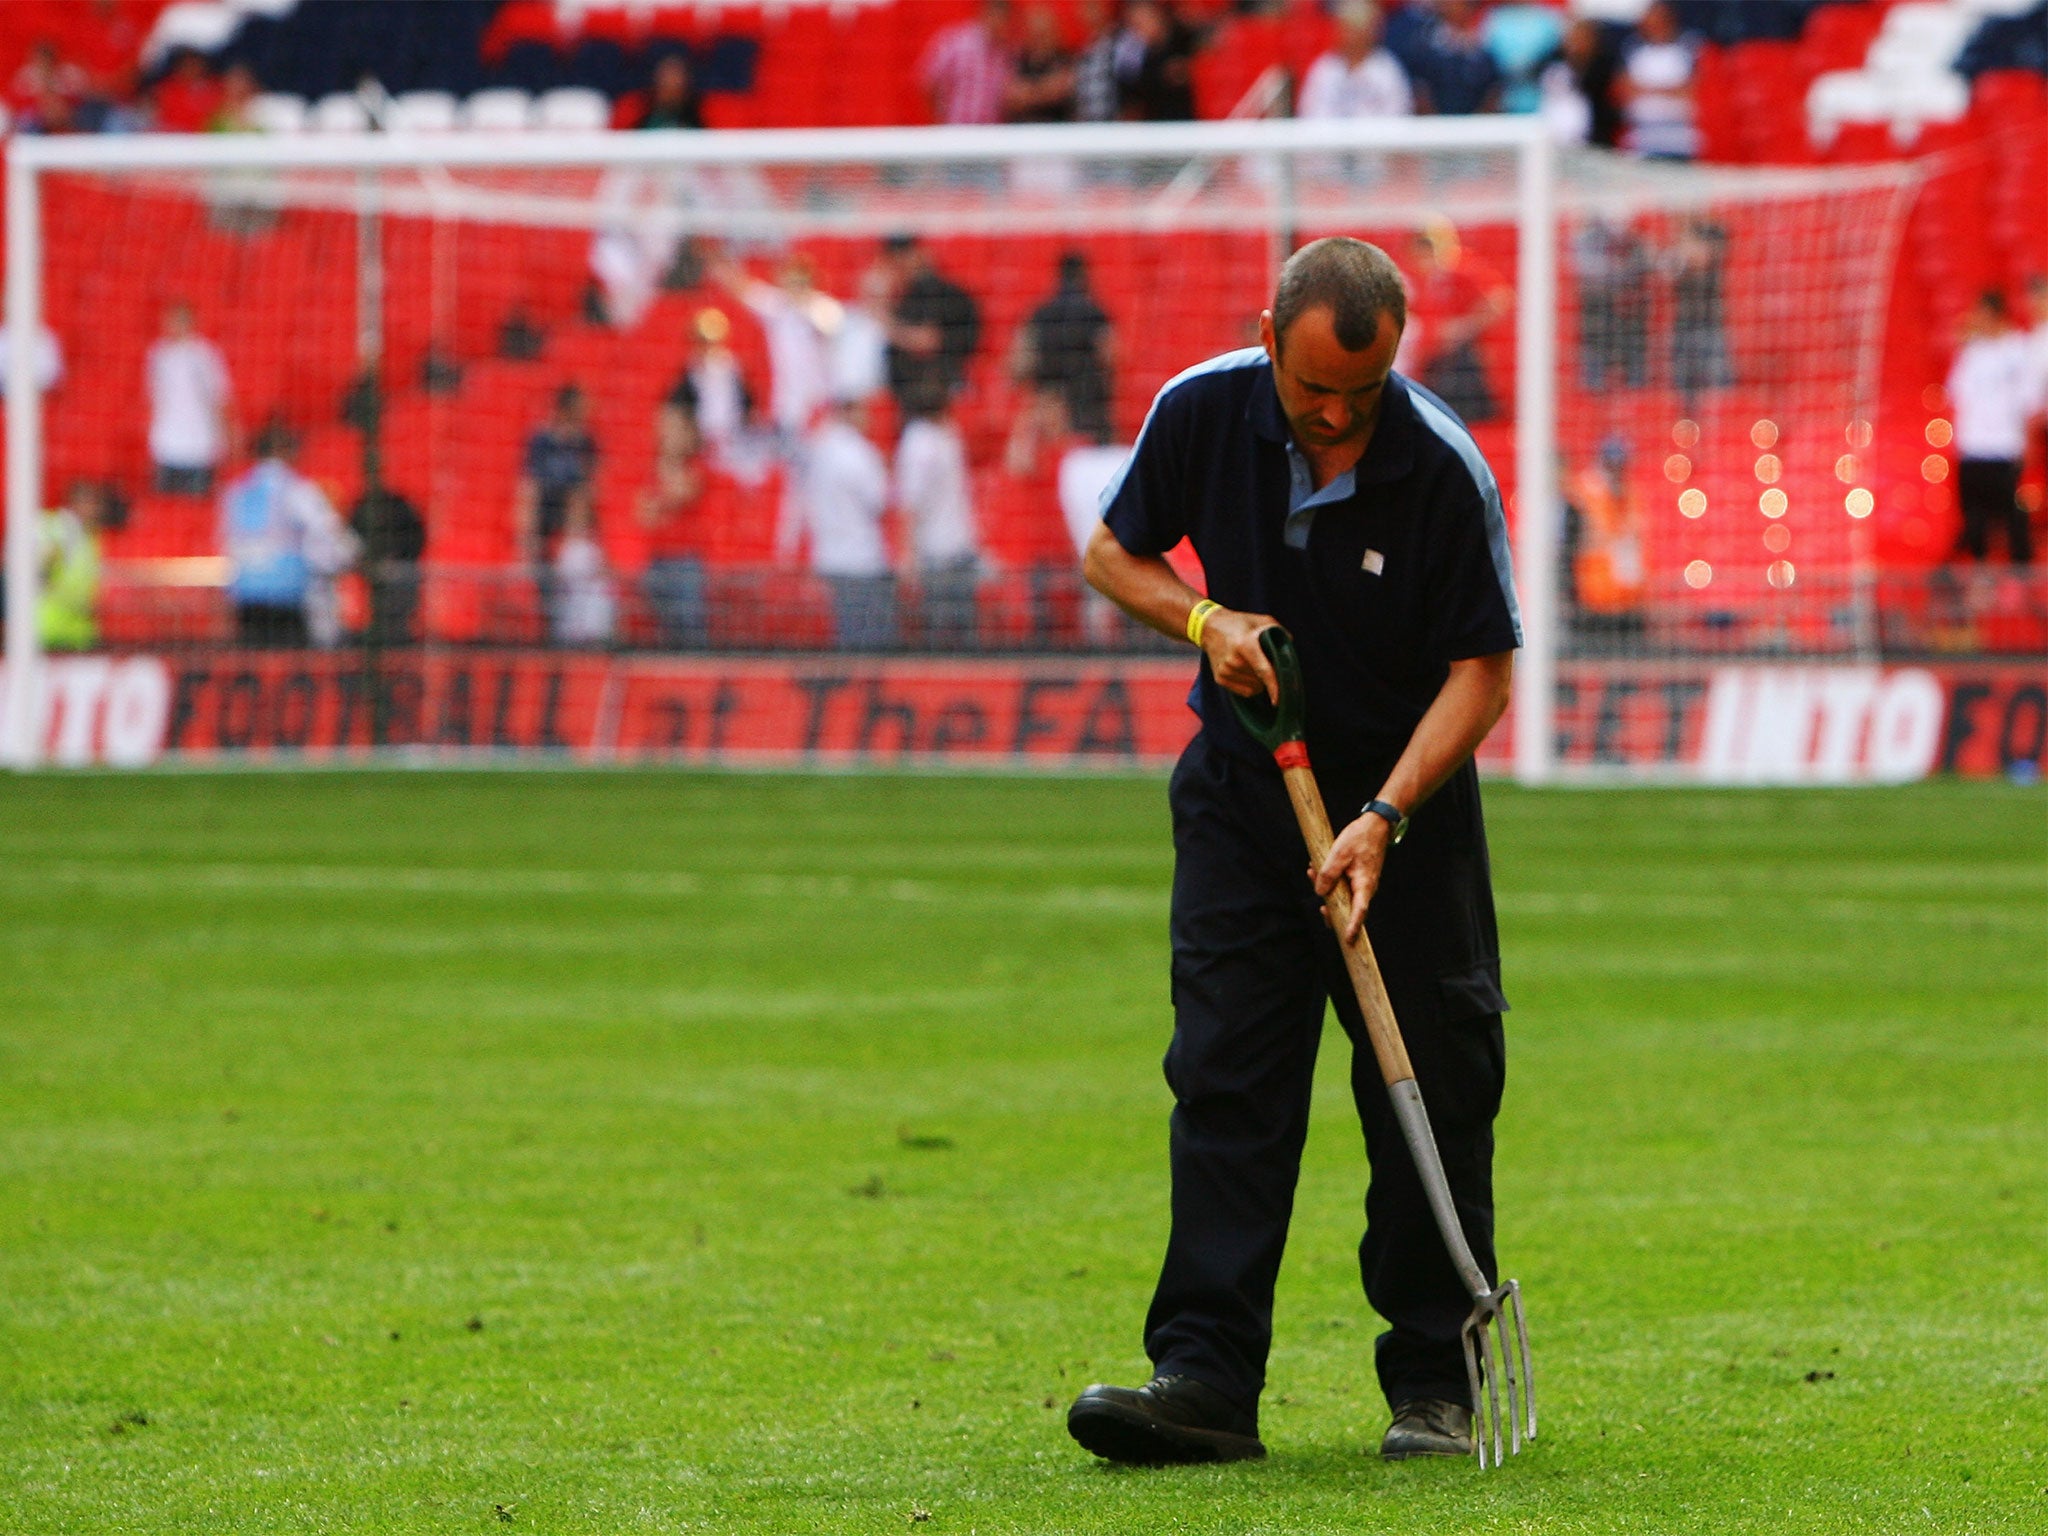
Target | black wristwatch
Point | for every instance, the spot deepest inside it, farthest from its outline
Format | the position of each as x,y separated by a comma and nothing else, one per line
1396,817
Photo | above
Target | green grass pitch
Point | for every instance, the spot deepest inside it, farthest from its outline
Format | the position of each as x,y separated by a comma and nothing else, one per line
625,1152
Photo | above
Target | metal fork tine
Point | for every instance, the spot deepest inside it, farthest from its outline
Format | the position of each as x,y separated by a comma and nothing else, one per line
1472,1380
1492,1389
1507,1370
1522,1344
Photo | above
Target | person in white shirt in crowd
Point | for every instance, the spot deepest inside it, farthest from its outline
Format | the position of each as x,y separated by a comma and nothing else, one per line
1357,77
49,360
284,544
935,494
799,323
1655,87
585,608
860,351
188,405
1992,390
846,493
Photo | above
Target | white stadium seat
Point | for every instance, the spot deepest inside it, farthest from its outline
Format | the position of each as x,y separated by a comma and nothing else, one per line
500,111
421,112
339,113
574,109
278,112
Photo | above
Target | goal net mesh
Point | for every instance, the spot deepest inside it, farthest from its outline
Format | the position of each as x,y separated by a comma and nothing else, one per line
613,409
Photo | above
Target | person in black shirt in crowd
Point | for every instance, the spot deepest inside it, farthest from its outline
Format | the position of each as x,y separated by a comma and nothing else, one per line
560,472
934,330
1042,73
394,537
672,99
1162,87
1063,356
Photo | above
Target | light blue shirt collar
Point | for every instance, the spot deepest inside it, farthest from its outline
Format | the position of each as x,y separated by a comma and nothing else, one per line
1303,498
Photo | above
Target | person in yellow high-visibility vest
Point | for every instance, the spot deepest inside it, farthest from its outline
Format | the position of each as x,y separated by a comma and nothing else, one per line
68,548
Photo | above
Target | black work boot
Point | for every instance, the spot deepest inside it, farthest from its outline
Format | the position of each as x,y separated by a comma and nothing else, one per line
1170,1419
1429,1426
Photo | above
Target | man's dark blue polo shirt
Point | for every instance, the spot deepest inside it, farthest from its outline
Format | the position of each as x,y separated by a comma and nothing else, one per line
1385,577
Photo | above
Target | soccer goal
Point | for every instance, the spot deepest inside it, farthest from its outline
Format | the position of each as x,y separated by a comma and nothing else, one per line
598,446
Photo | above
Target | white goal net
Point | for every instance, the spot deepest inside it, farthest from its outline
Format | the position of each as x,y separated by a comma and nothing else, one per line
777,446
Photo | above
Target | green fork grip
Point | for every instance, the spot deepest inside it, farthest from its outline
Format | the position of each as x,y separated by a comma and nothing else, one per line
1273,725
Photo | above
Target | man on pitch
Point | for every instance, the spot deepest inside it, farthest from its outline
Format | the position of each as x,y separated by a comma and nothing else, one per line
1327,493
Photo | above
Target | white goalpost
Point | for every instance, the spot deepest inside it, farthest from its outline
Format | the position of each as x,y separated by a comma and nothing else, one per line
1582,313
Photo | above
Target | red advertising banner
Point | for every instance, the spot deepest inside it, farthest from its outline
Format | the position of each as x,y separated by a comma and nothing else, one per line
1742,723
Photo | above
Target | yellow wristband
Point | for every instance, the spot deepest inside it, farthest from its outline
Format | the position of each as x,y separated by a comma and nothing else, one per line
1198,618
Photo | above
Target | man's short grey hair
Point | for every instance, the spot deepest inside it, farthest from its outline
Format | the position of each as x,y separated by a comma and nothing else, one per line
1356,282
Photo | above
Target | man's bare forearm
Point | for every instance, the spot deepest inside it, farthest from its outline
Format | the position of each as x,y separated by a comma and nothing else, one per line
1144,586
1472,699
1148,589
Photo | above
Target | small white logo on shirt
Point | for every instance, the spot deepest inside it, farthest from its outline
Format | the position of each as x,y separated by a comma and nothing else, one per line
1373,563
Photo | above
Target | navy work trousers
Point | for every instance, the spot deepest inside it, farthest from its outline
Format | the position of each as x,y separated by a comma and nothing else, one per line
1253,965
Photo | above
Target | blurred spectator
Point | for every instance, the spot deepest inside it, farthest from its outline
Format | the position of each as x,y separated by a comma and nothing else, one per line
671,513
1696,261
965,69
1042,75
1575,89
1449,65
68,551
846,493
1521,38
934,331
1357,77
1612,264
1991,392
860,350
284,547
185,97
44,74
48,92
933,490
798,321
1453,300
2037,343
1062,358
712,388
1606,547
1655,88
188,397
584,611
392,537
232,108
49,360
635,246
1159,87
520,337
673,100
1097,63
558,476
